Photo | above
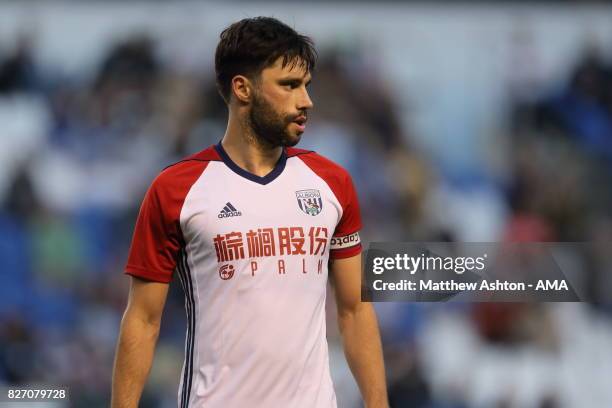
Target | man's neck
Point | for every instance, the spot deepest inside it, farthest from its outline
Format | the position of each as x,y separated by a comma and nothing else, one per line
243,148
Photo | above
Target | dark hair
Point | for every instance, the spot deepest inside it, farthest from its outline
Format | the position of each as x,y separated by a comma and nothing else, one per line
252,44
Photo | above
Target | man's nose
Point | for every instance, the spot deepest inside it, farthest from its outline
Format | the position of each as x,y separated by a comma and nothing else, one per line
305,102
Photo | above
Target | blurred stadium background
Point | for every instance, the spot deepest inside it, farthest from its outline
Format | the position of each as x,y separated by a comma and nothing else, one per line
459,122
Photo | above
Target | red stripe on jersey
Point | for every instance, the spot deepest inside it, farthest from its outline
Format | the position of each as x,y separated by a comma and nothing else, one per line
345,252
208,154
292,151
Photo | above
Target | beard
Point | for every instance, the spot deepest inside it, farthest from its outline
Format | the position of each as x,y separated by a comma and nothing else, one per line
269,127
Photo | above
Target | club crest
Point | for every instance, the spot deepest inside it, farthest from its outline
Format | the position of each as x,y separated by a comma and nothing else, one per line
309,201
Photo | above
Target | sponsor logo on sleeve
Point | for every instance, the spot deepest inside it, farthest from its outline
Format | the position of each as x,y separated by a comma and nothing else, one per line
346,241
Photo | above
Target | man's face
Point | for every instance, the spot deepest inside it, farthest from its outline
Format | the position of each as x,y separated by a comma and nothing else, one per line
280,103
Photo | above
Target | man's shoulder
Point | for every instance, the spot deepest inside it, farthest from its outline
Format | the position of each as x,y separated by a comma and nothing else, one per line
320,164
204,156
186,170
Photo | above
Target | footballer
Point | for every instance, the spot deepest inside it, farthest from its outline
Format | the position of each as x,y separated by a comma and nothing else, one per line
253,228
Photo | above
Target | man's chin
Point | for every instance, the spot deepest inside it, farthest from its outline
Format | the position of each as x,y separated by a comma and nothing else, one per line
292,140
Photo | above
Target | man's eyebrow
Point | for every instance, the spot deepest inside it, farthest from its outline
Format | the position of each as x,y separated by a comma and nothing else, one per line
289,79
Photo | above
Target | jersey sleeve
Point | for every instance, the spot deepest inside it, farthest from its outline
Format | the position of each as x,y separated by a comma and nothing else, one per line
345,241
156,242
157,237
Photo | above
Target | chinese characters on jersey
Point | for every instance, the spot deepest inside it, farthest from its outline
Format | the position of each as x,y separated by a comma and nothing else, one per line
266,242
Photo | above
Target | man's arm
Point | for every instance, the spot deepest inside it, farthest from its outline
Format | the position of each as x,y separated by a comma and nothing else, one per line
359,329
137,339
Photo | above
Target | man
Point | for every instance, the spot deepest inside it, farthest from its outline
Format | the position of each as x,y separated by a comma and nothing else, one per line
249,226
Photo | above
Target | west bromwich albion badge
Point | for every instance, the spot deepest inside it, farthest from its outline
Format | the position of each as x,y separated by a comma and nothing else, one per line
309,201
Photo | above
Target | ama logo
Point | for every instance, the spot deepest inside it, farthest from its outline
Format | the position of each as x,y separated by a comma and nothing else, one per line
309,201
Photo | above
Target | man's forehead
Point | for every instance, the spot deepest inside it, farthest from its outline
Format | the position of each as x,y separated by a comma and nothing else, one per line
295,68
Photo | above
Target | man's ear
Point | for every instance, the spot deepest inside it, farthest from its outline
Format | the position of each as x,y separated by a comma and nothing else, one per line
242,88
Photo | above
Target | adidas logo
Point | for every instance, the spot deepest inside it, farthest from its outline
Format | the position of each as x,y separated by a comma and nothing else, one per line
229,211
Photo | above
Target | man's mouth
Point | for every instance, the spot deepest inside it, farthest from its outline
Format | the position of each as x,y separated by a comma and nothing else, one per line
300,122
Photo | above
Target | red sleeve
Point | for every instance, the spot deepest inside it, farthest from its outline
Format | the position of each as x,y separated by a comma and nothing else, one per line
345,242
157,237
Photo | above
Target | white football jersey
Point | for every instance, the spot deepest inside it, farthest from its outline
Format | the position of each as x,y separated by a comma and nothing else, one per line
251,253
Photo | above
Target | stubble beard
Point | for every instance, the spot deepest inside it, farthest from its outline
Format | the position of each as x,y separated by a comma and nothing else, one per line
268,127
